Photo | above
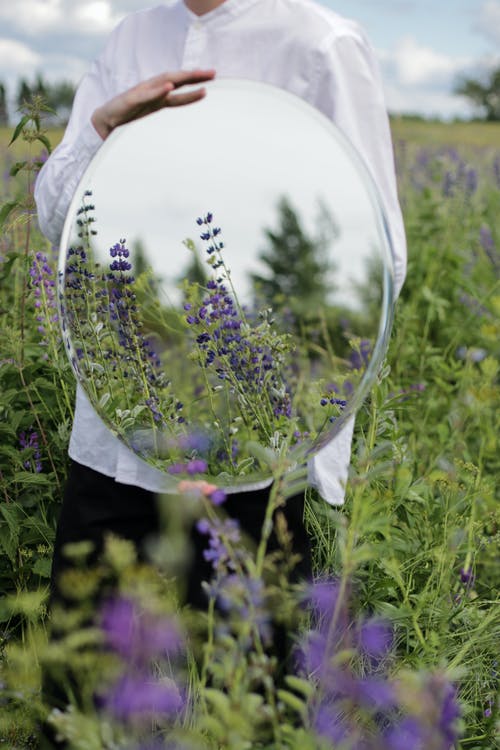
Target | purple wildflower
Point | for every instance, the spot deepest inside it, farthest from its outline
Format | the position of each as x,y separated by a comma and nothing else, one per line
29,441
330,723
375,637
359,358
243,598
196,466
375,693
322,597
450,712
489,247
467,577
408,734
136,635
44,289
222,535
234,352
137,697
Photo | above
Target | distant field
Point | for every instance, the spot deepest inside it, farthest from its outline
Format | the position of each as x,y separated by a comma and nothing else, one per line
474,134
450,134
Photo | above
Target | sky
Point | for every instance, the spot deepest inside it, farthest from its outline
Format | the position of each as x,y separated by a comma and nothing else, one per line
423,46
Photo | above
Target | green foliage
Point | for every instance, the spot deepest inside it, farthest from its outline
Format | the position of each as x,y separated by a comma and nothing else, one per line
483,94
35,386
296,264
418,538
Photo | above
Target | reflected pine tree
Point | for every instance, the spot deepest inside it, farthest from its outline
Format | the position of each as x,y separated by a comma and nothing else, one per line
298,272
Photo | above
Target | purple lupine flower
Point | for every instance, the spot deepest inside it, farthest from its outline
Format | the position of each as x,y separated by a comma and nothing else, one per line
330,723
219,534
408,734
450,712
136,635
375,637
243,596
43,283
322,597
359,359
196,466
471,180
29,440
488,244
244,360
467,577
138,697
313,658
375,693
218,496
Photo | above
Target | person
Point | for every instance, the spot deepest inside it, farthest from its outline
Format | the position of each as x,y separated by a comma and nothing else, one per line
297,45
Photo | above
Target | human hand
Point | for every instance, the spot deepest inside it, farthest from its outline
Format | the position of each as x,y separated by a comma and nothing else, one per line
149,96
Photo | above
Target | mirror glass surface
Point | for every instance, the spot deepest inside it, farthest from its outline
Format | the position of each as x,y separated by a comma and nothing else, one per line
225,283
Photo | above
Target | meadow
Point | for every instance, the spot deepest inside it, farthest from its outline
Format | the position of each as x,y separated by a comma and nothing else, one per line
399,641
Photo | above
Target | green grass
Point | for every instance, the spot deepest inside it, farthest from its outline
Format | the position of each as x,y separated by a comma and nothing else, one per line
431,133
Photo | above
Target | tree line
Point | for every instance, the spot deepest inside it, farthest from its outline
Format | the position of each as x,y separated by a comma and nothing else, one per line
58,96
483,93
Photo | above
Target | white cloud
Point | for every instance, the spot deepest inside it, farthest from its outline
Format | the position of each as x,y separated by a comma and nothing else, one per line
488,21
32,17
441,104
17,57
414,64
420,79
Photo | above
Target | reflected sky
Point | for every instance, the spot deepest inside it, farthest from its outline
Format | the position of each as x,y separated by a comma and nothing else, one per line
235,154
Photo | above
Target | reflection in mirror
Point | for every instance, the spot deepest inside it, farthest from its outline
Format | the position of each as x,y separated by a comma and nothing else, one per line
225,283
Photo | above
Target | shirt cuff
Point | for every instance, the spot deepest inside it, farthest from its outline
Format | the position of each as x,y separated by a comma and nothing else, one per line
328,470
89,141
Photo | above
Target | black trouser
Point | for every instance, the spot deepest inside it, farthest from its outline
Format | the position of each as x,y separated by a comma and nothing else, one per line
95,505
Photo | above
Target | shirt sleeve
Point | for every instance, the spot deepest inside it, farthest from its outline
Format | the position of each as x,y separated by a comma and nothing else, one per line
349,91
59,176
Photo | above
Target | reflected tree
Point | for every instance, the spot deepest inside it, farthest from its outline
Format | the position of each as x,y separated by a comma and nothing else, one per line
299,271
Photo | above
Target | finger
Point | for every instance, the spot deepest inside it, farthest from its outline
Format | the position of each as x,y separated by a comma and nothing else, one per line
177,100
185,77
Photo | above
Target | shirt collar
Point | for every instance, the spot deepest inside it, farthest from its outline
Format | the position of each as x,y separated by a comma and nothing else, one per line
224,12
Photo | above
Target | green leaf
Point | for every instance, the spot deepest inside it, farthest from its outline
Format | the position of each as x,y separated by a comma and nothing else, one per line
42,567
6,210
9,540
19,128
17,168
300,685
43,139
27,479
292,701
218,700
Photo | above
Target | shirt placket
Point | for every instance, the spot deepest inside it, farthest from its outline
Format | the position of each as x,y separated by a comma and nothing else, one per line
194,46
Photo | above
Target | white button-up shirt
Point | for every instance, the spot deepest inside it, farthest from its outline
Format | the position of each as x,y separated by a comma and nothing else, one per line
297,45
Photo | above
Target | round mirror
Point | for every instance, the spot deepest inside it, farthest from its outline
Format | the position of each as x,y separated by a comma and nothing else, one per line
226,283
